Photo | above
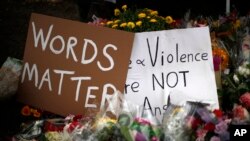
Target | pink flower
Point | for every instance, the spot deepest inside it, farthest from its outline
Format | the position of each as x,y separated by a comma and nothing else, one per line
140,137
240,113
245,99
201,133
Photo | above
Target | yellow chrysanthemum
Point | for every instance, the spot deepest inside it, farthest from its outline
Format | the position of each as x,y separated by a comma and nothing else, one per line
141,15
138,23
237,24
117,21
169,20
115,26
154,13
117,12
153,20
123,25
131,25
149,10
124,7
148,17
109,22
104,122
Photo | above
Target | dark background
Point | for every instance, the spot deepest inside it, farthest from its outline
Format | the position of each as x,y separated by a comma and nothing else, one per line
15,15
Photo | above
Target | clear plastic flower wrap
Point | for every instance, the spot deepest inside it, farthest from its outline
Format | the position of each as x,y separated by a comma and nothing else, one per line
176,120
121,120
9,77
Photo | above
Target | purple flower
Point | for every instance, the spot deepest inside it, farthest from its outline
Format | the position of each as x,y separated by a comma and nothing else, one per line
217,61
221,130
140,137
215,138
221,127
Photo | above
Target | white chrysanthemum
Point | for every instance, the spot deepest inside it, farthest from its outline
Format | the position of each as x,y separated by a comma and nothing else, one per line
236,79
241,70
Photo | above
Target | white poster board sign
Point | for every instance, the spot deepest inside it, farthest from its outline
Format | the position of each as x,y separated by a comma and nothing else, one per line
176,61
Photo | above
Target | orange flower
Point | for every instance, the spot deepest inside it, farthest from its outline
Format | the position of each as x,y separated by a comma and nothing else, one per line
223,55
26,111
36,114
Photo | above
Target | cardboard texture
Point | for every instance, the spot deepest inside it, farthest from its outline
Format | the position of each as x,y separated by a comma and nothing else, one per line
71,67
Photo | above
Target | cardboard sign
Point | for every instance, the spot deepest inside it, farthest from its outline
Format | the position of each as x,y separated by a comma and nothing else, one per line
72,67
176,62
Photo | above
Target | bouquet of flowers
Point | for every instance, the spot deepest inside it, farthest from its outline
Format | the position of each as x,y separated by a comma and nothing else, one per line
140,20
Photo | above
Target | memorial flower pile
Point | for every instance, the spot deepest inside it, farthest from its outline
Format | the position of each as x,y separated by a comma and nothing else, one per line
231,51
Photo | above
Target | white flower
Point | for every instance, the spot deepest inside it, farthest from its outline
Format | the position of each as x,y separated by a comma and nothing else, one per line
241,70
236,79
248,72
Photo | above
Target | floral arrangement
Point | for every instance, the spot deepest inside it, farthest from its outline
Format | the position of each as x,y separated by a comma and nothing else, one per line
231,52
140,20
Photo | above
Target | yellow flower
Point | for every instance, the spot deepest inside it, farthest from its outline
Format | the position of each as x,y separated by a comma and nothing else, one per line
154,13
123,25
131,25
149,10
148,17
124,7
104,122
117,21
53,136
117,12
115,26
237,24
141,15
138,23
169,19
153,20
109,22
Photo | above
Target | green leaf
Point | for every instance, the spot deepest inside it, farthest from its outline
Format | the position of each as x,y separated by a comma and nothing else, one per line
125,132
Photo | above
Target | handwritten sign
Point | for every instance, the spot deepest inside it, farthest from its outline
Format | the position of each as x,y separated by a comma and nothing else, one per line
174,61
72,67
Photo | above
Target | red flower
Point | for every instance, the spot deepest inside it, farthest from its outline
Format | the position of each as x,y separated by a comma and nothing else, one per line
209,126
26,111
50,126
73,125
193,122
245,99
218,113
77,118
